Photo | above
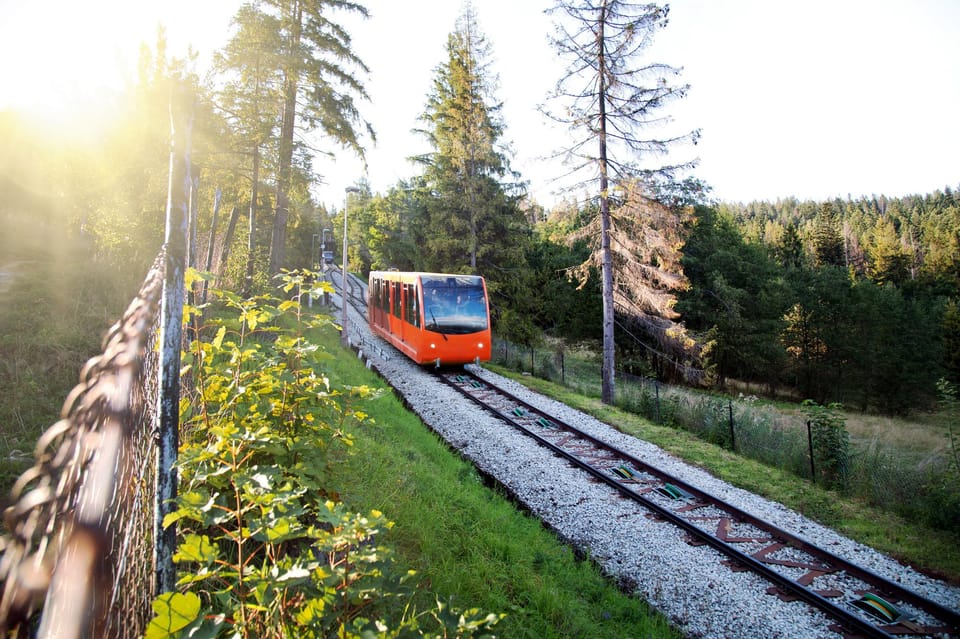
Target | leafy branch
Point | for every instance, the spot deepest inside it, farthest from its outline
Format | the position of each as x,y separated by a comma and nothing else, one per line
265,548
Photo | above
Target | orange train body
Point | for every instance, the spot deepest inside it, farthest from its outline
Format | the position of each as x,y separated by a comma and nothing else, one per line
432,318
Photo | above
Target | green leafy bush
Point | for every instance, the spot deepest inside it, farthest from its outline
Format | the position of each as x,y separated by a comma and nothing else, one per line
831,443
264,549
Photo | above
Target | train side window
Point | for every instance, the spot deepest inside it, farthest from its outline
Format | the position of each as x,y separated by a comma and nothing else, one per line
415,305
396,299
411,311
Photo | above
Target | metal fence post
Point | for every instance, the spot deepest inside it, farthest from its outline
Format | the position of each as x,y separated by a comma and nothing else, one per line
733,441
813,474
656,387
171,330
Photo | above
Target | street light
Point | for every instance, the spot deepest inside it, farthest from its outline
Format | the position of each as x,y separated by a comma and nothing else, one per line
343,273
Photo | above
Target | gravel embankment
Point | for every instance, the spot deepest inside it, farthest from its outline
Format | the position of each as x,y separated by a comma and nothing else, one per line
688,584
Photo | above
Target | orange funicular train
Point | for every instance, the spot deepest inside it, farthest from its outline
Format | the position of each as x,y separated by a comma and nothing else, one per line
432,318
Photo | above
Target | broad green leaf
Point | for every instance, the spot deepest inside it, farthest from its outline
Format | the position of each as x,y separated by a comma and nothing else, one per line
174,612
282,529
196,548
218,340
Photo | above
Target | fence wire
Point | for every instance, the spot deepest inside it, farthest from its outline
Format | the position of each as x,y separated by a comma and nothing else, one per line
77,552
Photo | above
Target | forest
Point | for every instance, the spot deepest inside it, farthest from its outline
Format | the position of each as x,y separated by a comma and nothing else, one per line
852,300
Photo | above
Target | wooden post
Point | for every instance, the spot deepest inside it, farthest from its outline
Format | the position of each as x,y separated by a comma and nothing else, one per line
208,266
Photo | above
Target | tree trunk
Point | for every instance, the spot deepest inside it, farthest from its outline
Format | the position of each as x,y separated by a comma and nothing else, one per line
208,265
278,242
609,346
251,241
227,242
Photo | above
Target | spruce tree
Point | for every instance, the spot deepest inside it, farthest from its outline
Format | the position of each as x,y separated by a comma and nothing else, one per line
888,261
465,169
250,98
826,237
321,84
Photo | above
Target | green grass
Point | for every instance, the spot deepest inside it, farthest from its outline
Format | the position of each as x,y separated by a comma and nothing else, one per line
55,306
931,550
467,540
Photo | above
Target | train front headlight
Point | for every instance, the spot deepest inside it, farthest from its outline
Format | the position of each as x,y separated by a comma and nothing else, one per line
480,346
433,346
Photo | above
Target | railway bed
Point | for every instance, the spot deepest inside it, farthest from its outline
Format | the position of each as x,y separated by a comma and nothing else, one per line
649,556
860,602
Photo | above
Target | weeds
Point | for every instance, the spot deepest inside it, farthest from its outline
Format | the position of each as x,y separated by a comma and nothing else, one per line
265,548
904,473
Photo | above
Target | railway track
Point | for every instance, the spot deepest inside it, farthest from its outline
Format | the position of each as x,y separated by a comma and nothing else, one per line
860,603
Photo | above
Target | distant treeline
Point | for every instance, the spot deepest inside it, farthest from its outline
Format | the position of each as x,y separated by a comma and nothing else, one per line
854,300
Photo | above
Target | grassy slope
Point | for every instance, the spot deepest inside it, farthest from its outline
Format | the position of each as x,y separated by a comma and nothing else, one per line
936,552
467,540
56,303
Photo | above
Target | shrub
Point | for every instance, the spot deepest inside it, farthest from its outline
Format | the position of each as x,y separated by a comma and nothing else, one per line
831,443
264,549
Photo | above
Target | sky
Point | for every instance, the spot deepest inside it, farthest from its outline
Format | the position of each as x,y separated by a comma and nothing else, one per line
807,98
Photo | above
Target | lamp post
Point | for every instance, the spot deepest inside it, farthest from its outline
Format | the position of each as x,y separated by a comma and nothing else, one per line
343,273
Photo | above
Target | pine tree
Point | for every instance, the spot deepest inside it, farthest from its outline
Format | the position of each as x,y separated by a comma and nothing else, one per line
320,87
463,125
789,250
251,99
888,261
826,237
603,41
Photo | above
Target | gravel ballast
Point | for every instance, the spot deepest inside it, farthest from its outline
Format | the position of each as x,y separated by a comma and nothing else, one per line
688,584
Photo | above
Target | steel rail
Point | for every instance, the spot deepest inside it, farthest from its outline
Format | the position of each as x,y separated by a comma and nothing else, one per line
848,620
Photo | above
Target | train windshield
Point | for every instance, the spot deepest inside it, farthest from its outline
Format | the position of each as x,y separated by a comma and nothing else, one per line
454,304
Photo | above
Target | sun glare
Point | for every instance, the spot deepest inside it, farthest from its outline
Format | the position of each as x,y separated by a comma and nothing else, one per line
54,55
63,61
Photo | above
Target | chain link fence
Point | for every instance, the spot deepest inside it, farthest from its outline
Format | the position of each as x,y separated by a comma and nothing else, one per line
78,543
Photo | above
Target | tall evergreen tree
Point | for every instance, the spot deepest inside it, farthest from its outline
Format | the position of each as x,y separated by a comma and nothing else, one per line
251,98
826,237
608,100
463,124
473,222
789,250
888,261
735,298
320,87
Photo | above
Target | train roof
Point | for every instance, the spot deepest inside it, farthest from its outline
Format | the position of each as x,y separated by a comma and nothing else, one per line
412,276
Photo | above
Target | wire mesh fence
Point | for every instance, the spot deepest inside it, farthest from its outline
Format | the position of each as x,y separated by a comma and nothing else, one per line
77,552
908,483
